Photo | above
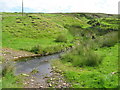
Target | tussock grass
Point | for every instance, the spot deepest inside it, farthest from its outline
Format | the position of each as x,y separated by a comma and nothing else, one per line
83,56
9,80
110,39
61,38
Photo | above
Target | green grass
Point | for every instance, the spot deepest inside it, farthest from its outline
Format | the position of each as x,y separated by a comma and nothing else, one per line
93,77
0,71
33,29
8,79
24,43
24,33
41,33
11,81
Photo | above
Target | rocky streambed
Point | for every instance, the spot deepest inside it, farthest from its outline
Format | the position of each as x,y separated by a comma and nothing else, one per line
37,71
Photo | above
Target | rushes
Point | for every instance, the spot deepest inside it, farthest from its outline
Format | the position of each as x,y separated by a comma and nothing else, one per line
83,56
110,39
61,38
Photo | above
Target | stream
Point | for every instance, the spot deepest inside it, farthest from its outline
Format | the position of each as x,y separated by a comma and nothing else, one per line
40,64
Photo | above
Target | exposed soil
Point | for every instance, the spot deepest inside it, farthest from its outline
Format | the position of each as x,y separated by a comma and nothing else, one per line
10,54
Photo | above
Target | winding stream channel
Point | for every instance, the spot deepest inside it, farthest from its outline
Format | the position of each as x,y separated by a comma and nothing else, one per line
41,64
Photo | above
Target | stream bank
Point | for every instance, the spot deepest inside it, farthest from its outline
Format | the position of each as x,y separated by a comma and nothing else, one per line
38,72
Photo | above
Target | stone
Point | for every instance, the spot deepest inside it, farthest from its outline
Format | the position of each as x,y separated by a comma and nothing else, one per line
51,79
53,67
46,60
25,83
41,87
25,75
32,80
113,72
50,85
15,57
64,84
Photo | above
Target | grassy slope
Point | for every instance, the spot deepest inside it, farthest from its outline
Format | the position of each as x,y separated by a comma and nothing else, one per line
43,29
26,32
31,31
93,77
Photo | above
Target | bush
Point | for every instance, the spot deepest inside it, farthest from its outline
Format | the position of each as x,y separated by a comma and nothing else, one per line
61,38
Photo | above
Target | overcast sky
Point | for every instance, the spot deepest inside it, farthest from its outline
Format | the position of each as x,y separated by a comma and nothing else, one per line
51,6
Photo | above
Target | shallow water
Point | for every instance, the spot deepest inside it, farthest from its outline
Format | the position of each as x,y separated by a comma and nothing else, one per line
41,64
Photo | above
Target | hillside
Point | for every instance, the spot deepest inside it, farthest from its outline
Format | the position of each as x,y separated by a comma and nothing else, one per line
25,32
90,42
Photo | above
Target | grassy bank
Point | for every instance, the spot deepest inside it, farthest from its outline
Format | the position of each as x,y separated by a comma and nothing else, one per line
103,76
93,63
9,80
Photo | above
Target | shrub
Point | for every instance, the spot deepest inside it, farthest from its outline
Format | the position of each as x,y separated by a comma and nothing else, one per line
61,38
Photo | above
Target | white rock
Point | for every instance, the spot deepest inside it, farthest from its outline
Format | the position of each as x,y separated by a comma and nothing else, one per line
25,74
15,57
51,79
32,80
50,85
113,72
25,83
41,86
64,84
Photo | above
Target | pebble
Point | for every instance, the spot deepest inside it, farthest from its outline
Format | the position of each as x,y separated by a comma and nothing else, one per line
113,72
51,79
50,85
4,54
59,86
32,80
64,84
53,67
25,83
25,75
41,87
81,70
46,60
15,57
20,56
